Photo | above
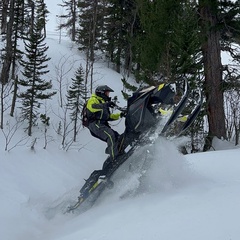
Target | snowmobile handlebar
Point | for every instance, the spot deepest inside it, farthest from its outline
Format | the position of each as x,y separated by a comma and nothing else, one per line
115,100
122,109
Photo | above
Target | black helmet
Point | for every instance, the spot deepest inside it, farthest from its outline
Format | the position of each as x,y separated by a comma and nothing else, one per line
101,90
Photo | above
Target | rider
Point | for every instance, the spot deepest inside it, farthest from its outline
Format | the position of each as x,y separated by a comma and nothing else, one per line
99,114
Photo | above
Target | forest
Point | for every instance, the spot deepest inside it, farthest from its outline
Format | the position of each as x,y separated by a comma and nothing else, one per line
152,42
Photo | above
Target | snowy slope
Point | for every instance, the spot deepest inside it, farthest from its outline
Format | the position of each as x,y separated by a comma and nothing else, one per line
192,197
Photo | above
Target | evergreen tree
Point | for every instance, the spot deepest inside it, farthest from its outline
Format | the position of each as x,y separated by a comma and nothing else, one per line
17,53
70,17
34,87
91,20
169,44
182,37
90,33
220,26
17,33
76,95
42,14
7,52
212,65
4,15
121,27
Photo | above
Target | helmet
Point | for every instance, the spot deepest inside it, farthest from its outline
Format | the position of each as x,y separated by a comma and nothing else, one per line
101,90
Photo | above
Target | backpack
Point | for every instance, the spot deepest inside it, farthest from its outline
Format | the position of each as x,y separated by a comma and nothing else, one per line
85,121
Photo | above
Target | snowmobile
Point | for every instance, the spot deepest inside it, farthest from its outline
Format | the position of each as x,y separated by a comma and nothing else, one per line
145,109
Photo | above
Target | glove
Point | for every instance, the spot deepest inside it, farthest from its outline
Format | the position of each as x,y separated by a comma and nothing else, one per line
111,104
123,114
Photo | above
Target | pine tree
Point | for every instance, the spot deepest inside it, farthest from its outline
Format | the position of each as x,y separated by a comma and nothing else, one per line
34,87
42,12
121,26
17,53
220,26
7,51
90,33
169,43
76,95
3,15
182,38
70,17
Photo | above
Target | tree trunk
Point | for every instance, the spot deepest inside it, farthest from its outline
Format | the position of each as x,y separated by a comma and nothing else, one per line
74,17
14,96
4,15
213,71
8,51
2,105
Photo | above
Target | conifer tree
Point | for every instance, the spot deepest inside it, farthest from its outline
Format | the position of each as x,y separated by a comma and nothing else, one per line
34,87
183,37
76,95
89,34
3,15
220,26
117,25
7,52
17,53
42,12
70,17
170,42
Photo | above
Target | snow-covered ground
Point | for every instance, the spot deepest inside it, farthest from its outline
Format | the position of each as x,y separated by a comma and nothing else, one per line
180,197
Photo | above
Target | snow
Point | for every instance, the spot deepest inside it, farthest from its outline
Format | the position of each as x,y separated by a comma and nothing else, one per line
186,197
179,197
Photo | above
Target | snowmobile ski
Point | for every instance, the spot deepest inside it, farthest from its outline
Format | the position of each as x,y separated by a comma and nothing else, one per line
88,195
178,108
91,196
193,115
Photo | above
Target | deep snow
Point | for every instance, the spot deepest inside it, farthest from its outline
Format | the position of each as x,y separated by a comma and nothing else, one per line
184,197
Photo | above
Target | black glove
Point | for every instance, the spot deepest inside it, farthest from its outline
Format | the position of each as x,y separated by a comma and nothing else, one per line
123,114
111,104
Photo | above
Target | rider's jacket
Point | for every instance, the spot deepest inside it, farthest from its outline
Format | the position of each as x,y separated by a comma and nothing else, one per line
98,110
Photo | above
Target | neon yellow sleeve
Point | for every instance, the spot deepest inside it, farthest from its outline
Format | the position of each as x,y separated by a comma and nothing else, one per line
94,101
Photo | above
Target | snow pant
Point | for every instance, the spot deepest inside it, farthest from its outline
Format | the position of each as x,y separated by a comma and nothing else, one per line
106,134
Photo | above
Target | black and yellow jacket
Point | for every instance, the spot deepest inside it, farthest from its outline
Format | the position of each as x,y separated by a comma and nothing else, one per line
97,110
